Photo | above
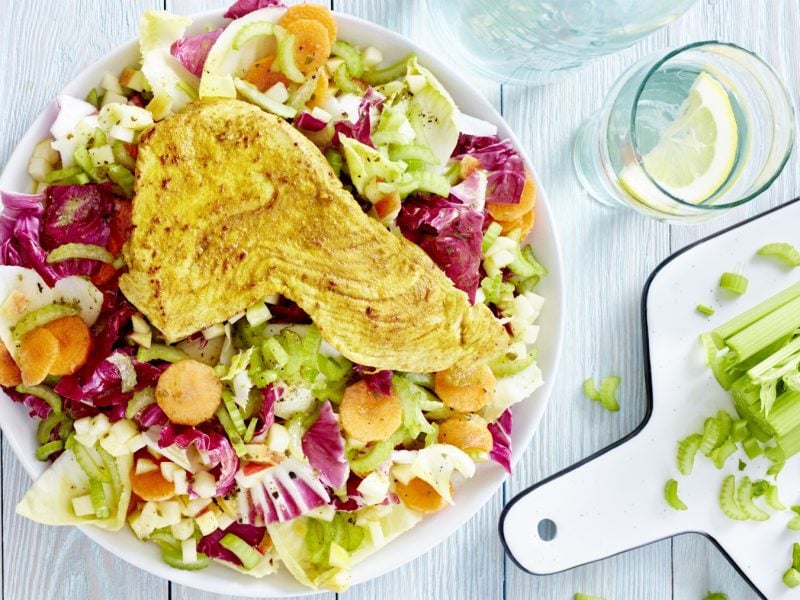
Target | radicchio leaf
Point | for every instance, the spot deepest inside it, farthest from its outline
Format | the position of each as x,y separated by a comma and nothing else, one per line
212,444
506,178
361,130
210,546
501,438
377,381
323,445
245,7
192,50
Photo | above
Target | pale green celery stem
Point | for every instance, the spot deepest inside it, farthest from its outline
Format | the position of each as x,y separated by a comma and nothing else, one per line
762,333
758,312
780,356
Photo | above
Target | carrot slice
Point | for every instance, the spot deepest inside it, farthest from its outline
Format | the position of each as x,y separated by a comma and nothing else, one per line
9,371
511,212
188,392
261,76
311,44
465,391
74,344
313,12
468,432
368,415
524,223
37,354
152,485
419,495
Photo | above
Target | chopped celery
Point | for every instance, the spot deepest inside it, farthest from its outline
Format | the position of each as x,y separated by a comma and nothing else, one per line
772,498
46,427
79,251
43,392
671,495
231,431
42,316
84,161
740,431
44,451
608,388
160,352
706,310
771,328
505,366
490,235
93,98
727,500
350,56
782,250
286,63
243,551
733,282
88,464
99,500
720,454
98,138
687,450
260,99
716,596
755,314
589,390
711,435
796,555
252,30
60,175
387,74
121,155
141,399
791,577
581,596
174,558
251,428
344,82
334,158
744,498
122,177
233,412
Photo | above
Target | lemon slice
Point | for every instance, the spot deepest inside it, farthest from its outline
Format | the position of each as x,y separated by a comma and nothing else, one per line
694,156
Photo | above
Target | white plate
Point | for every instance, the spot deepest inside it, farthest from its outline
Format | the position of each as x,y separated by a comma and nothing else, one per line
19,429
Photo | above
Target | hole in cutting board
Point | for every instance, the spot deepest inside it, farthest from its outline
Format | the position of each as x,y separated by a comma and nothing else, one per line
546,529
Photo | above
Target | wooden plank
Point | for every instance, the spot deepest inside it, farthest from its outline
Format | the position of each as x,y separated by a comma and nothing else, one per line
44,45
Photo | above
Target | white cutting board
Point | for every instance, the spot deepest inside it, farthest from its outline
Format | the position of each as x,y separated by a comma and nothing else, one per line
614,501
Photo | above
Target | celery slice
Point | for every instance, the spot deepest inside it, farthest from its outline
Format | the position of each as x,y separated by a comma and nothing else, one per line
260,99
771,496
744,498
122,156
720,454
233,412
752,448
44,451
174,558
79,251
740,431
782,250
687,450
589,390
243,551
350,56
122,177
716,596
140,399
711,435
608,388
791,577
84,161
252,30
286,62
344,82
99,501
490,235
581,596
88,464
43,392
503,366
93,98
46,426
796,555
705,310
42,316
671,495
60,175
160,352
251,428
727,500
387,74
733,282
231,431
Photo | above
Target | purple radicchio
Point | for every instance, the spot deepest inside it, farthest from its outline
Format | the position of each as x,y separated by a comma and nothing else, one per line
241,8
501,440
305,120
506,171
210,546
354,500
377,381
450,233
191,51
361,130
214,447
323,445
266,415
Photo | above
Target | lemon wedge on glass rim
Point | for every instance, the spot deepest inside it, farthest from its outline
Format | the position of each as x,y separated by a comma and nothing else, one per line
694,156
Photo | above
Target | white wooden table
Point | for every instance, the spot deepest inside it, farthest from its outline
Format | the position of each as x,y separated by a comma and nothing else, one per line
608,256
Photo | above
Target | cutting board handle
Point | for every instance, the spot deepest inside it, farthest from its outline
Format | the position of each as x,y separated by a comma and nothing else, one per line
603,506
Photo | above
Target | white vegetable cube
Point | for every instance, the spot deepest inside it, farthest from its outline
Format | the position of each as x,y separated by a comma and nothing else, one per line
140,325
536,302
522,308
136,443
322,115
145,465
183,529
180,483
126,115
531,334
257,452
123,134
110,83
278,438
204,484
82,505
258,314
371,57
45,151
145,521
374,487
170,512
113,98
278,92
206,522
196,506
100,425
224,521
133,79
66,148
81,426
38,168
85,439
189,550
123,430
168,470
102,155
214,331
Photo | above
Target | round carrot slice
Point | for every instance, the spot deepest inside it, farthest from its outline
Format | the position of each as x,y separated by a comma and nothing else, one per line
368,415
9,371
37,354
465,391
313,12
262,77
152,485
311,44
468,432
188,392
524,224
74,344
511,212
419,495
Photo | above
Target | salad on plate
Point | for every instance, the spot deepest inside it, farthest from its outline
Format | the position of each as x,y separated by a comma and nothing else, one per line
254,441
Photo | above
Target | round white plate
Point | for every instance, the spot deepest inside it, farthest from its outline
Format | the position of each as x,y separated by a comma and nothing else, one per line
19,429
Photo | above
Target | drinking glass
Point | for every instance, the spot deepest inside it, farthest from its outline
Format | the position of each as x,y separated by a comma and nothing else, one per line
536,41
650,145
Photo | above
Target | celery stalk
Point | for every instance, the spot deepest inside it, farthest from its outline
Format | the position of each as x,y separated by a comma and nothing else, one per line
782,321
755,314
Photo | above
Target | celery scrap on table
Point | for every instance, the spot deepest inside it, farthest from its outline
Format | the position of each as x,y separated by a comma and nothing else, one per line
255,440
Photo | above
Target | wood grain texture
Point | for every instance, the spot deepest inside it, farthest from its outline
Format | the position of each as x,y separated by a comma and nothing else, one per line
608,253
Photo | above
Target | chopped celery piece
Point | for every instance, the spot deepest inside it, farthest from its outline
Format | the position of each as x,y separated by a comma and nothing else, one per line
243,551
98,138
744,498
160,352
44,451
716,596
719,455
733,282
490,235
760,487
250,431
88,464
84,161
140,399
504,366
387,74
98,497
727,500
711,435
122,177
233,413
350,56
378,454
79,251
752,448
231,431
671,495
589,390
174,558
43,392
725,422
121,155
687,450
772,498
782,250
608,388
286,63
59,175
706,310
42,316
580,596
740,431
252,30
791,577
796,555
344,82
260,99
93,98
334,158
775,468
46,426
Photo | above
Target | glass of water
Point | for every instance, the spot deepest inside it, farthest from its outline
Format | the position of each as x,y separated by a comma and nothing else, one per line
536,41
686,135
